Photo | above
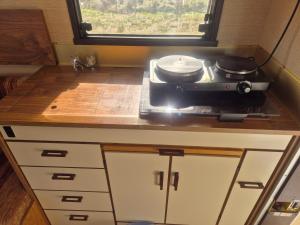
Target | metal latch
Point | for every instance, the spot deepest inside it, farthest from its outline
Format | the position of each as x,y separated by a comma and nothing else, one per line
84,28
286,207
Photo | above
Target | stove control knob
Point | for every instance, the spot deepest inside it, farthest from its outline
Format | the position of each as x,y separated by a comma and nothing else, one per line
244,87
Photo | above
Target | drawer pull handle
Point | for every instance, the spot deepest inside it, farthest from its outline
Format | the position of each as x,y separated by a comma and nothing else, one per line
9,131
251,185
161,180
63,176
79,217
72,199
176,180
54,153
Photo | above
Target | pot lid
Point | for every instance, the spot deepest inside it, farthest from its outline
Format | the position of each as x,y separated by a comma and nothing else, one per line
179,68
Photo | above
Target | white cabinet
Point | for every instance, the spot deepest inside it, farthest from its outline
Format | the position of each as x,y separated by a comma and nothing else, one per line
139,185
142,181
256,169
197,188
203,182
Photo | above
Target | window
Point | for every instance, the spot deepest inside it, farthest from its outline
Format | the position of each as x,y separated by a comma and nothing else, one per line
145,22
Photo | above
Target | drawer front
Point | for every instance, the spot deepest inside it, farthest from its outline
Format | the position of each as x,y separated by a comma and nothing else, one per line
56,154
47,178
79,217
67,200
254,174
158,137
258,166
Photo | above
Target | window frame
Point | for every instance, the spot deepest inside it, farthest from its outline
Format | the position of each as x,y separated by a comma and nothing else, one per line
210,38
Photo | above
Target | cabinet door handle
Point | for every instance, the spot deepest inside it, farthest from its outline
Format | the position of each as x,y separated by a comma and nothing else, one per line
251,185
176,180
161,180
79,217
63,176
54,153
171,152
72,199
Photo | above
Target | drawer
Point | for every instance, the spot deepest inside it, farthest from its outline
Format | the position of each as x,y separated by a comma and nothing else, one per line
79,217
67,200
158,137
258,166
254,174
57,154
48,178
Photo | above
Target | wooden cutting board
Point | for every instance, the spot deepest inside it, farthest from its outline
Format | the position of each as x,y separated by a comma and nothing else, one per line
24,38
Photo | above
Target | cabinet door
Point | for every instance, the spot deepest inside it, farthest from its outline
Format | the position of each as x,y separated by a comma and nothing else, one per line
257,167
139,185
203,182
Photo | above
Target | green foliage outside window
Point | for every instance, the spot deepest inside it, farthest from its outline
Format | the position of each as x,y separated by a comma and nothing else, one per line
157,17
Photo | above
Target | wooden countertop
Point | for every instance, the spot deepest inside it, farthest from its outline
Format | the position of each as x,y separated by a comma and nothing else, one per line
109,97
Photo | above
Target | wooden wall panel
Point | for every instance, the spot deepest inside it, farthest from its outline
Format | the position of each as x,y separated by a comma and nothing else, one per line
56,15
24,38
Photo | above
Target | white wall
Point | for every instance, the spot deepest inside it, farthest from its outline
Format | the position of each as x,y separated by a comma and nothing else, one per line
289,51
241,24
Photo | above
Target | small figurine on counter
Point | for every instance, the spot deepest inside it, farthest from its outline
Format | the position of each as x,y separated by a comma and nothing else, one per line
91,62
79,65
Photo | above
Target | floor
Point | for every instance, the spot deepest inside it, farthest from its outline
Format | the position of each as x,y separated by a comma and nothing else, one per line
16,206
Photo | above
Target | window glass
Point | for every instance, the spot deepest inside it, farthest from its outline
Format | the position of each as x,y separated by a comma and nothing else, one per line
144,17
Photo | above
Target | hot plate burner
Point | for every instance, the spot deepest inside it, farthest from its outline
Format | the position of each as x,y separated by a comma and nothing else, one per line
238,68
179,69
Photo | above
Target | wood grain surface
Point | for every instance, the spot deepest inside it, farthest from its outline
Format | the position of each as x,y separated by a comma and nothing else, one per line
24,38
228,152
109,97
19,182
14,200
34,216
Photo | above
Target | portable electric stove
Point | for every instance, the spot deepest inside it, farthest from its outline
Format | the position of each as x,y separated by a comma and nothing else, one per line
231,88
